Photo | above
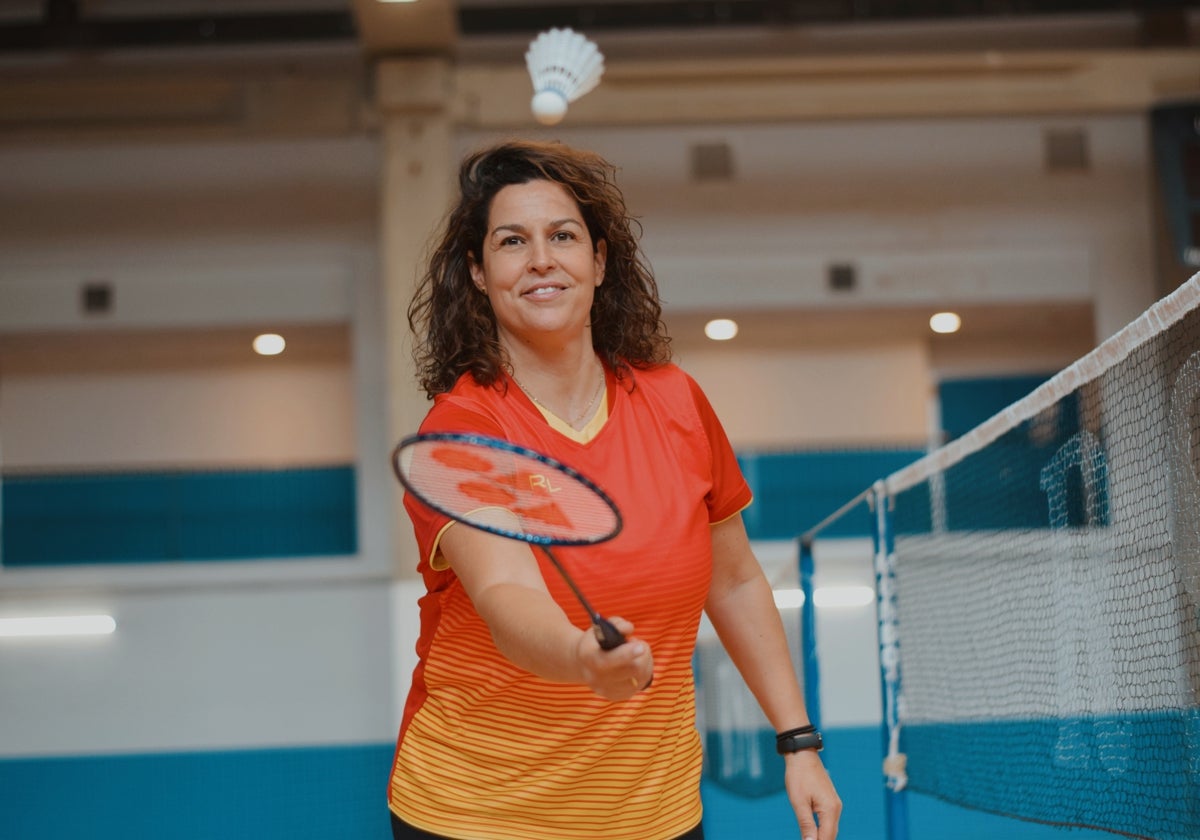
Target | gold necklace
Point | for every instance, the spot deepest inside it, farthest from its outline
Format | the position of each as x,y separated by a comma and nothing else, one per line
582,415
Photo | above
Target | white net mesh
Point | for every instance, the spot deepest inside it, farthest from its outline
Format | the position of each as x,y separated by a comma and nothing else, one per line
1047,599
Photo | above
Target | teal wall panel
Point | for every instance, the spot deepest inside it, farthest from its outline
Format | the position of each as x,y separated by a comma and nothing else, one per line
56,520
329,793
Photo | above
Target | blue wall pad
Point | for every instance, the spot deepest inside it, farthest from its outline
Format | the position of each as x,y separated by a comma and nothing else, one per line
965,403
795,490
1014,462
56,520
854,759
1085,771
334,792
316,793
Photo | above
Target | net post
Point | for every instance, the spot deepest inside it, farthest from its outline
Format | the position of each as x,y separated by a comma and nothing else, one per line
808,634
895,798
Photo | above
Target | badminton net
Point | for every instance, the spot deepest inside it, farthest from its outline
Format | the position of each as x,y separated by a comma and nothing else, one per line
1044,583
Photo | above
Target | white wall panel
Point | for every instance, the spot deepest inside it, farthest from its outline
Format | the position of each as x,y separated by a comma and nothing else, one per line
40,296
854,396
203,669
254,416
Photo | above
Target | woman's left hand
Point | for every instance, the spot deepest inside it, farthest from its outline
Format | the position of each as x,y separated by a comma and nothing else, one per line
812,795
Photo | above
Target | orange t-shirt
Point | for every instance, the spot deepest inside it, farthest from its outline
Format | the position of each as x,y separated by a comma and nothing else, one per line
491,752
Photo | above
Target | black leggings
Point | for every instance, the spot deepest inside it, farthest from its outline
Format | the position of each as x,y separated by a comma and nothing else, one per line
403,831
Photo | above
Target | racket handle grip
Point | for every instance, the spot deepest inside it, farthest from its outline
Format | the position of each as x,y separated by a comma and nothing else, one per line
607,635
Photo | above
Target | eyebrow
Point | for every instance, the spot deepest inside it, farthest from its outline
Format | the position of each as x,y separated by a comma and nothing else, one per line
520,228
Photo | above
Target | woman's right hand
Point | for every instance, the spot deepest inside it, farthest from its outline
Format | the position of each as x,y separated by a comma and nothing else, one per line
504,581
620,673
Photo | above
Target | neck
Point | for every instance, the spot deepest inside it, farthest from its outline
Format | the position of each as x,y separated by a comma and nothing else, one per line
570,392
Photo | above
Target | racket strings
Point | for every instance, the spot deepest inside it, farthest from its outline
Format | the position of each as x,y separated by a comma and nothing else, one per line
507,492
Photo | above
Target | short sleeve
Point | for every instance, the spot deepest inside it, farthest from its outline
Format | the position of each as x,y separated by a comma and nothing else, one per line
730,493
447,415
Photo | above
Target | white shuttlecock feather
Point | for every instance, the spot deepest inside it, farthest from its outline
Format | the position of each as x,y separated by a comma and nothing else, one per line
563,65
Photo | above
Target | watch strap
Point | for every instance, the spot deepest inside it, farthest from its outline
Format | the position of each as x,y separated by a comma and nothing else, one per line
795,740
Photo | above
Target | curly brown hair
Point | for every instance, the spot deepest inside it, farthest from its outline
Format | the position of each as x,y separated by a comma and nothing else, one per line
454,325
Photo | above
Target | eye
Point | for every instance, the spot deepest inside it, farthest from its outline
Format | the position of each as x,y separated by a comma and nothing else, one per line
510,240
563,236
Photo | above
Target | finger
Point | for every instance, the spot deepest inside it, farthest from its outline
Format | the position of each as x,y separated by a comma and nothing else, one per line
829,822
631,659
623,625
807,817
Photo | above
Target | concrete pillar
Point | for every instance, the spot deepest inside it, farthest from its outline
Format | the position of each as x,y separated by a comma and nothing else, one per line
413,96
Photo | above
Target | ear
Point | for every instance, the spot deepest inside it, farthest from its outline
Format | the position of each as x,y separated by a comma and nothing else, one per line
600,259
476,270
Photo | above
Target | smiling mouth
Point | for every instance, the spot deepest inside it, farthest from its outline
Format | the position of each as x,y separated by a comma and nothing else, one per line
542,291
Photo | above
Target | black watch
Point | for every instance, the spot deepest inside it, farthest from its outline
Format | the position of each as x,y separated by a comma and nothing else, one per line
790,742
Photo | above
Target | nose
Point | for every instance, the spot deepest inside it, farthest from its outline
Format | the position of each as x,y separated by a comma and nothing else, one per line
541,258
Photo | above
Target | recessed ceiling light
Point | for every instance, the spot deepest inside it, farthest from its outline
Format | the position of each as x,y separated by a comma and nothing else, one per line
945,322
57,625
269,344
721,329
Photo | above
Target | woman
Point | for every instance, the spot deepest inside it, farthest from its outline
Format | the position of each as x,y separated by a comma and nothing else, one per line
539,322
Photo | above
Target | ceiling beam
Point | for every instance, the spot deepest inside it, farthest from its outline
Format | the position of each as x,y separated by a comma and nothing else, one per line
63,29
426,27
496,96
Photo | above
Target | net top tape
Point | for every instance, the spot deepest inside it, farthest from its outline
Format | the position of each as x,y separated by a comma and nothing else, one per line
1110,353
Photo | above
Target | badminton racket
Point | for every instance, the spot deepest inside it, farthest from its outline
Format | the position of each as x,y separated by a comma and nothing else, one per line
514,492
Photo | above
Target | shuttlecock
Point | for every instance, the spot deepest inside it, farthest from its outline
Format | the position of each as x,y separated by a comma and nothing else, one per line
563,65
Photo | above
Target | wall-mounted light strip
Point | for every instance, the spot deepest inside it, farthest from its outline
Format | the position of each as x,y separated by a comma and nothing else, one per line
57,625
789,599
843,596
826,596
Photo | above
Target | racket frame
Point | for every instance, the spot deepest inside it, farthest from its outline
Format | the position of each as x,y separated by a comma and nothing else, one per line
607,635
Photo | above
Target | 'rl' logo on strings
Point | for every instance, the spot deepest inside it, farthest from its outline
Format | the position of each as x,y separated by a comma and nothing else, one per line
543,482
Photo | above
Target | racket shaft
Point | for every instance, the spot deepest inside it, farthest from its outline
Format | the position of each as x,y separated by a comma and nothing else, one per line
607,635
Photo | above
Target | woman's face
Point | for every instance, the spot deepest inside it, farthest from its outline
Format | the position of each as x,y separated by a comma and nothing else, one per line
538,266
